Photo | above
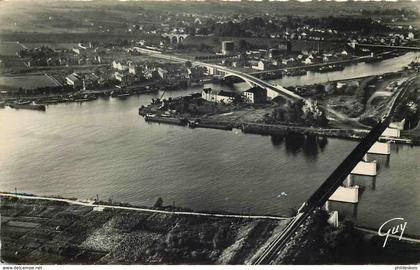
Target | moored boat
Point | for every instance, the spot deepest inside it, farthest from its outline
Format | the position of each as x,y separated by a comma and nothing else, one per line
331,68
28,106
123,95
296,72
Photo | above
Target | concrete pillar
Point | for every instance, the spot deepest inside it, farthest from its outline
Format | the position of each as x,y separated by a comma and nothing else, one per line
327,206
373,187
365,158
380,148
346,194
398,125
391,133
333,219
365,168
349,181
271,93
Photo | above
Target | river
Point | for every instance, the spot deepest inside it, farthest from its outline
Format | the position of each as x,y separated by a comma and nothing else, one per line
350,71
103,147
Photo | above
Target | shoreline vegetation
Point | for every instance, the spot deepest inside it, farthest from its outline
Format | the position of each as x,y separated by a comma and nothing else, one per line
44,232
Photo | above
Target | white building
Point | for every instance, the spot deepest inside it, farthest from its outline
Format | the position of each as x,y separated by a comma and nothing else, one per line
307,61
218,96
410,36
228,47
261,65
119,65
74,80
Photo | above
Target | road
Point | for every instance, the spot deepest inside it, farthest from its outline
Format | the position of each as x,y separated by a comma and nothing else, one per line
140,209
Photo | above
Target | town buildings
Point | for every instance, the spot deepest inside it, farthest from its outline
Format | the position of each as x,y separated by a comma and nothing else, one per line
82,80
218,96
255,95
228,47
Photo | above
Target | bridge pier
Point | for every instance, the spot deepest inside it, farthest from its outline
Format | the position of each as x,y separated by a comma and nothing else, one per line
365,168
365,158
380,148
391,133
271,93
346,194
398,125
333,219
349,181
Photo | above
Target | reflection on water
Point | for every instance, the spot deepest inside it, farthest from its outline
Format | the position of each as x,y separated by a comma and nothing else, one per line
322,143
382,161
347,211
277,140
364,181
310,145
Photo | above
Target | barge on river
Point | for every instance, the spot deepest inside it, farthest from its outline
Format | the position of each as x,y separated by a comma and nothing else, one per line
27,106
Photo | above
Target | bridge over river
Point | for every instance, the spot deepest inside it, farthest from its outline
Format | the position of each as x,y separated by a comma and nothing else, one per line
332,183
272,89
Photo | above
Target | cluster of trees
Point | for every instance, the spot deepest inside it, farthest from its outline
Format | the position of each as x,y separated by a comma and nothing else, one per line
409,110
364,91
347,24
36,53
252,27
38,56
391,12
263,27
186,243
299,112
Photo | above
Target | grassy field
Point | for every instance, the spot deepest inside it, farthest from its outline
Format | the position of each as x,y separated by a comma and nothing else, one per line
8,57
9,48
55,46
26,82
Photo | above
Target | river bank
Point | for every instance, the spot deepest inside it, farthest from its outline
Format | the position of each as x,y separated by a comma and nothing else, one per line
273,130
103,147
56,232
87,95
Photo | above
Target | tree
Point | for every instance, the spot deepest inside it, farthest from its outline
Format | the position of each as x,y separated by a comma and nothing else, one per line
243,45
296,111
188,64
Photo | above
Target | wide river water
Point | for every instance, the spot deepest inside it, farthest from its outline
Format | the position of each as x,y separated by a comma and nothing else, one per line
103,147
